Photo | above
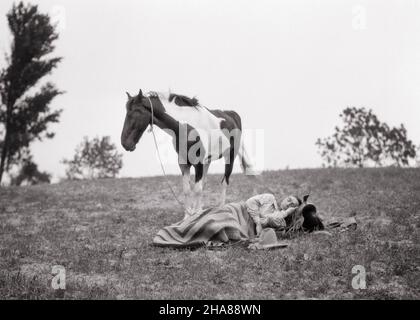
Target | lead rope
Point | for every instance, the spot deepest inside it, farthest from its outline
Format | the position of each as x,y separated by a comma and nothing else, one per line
264,185
158,153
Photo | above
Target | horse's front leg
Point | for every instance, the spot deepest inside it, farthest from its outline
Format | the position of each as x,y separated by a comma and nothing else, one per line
188,203
200,176
198,196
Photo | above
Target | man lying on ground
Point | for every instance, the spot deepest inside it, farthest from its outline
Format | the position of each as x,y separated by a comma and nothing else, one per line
252,221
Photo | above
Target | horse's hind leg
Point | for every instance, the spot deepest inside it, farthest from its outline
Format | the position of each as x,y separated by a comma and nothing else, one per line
225,183
225,180
223,194
235,136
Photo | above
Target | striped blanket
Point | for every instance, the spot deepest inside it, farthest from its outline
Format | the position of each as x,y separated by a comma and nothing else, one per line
230,222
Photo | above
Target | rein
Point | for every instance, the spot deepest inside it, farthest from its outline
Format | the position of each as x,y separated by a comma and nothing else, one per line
158,153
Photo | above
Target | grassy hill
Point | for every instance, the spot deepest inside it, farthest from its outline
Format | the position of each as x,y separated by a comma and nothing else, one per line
101,232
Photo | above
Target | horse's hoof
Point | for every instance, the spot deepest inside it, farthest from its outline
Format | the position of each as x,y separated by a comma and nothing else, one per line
188,213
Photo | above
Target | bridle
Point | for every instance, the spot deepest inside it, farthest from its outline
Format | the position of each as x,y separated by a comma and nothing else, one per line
153,115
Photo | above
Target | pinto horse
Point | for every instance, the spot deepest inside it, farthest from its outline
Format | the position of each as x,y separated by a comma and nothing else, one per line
199,136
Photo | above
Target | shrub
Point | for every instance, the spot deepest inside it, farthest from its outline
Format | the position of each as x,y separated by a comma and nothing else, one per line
94,159
365,141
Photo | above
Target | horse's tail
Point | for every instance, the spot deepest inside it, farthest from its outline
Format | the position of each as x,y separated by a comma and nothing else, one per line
246,162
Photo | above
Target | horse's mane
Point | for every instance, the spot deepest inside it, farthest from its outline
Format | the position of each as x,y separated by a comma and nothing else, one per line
178,99
181,100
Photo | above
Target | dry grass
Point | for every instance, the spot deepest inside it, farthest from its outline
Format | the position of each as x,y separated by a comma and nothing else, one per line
101,231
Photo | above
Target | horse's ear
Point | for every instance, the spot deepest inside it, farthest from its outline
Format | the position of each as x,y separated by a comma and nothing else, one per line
305,197
140,94
128,95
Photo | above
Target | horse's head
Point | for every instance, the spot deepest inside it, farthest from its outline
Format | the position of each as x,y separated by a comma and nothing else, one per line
136,121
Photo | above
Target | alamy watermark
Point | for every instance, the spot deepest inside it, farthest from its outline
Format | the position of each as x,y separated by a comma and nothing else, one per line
209,145
359,280
359,18
59,277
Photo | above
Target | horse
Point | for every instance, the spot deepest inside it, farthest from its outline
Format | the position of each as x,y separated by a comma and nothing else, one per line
199,136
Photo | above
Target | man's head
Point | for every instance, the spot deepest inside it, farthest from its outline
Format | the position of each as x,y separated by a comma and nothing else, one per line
308,211
290,202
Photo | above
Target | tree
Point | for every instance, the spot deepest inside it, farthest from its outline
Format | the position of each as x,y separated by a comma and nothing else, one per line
364,141
93,159
26,117
30,174
418,156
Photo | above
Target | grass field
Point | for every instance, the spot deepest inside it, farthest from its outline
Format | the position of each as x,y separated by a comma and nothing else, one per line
101,232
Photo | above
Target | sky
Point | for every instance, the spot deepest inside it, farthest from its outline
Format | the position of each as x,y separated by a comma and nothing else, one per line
287,67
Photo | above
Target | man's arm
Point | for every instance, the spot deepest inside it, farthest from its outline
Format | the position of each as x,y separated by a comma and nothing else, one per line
253,207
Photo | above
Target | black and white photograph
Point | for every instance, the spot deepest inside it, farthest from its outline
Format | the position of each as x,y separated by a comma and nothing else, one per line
193,150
